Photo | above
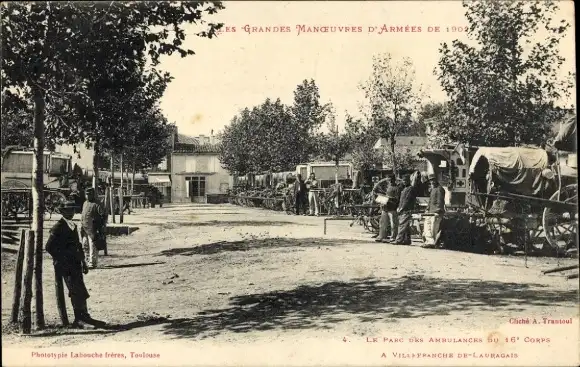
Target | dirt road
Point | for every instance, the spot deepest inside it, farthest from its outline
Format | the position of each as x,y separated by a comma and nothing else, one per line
250,286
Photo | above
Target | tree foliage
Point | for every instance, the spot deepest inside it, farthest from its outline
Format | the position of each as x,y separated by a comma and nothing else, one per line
308,116
392,97
503,91
334,145
87,58
78,64
363,137
273,136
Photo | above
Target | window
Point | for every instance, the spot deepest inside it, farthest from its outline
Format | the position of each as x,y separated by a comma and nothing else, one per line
195,186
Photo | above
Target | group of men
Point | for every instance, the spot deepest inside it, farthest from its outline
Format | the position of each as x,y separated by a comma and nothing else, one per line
74,251
397,210
305,191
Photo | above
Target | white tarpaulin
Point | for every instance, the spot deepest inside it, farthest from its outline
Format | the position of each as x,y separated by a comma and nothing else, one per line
517,169
162,180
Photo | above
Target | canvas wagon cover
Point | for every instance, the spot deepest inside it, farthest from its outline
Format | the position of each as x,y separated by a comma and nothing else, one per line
566,138
518,169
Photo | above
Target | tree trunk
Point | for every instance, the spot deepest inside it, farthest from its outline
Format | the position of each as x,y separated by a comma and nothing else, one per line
18,277
112,186
133,179
25,318
96,166
121,190
38,199
392,153
127,186
336,172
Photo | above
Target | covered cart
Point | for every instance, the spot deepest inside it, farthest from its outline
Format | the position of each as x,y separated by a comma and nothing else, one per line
527,195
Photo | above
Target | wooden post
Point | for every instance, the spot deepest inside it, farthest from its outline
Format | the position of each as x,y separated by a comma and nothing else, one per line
60,299
121,190
25,319
18,277
96,163
38,295
112,188
38,195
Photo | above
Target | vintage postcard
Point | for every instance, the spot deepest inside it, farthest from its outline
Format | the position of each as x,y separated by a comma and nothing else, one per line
301,183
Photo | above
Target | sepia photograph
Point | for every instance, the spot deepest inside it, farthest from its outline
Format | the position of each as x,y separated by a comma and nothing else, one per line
289,183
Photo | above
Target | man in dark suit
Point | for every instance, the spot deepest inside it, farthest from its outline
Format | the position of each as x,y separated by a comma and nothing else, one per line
65,247
300,194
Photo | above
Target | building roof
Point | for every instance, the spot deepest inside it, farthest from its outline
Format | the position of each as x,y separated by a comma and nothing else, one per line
194,149
185,139
194,145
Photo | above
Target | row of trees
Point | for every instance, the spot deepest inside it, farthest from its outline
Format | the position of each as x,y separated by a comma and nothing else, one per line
503,89
78,72
275,137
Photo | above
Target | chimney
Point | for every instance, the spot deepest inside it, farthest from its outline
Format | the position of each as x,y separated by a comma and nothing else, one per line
211,138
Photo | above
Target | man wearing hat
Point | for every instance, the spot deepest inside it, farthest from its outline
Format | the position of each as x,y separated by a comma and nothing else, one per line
92,227
405,210
436,208
69,262
389,217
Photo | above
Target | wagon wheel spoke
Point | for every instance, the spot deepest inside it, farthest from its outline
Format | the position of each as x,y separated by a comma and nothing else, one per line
568,229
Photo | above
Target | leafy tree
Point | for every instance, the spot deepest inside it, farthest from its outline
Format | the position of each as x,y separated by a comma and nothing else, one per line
363,137
503,90
16,122
308,116
403,160
262,139
432,116
334,145
392,97
51,49
151,141
234,154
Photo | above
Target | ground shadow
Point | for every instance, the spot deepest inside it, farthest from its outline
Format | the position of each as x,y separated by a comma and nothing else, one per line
258,243
128,265
367,300
225,223
60,330
121,230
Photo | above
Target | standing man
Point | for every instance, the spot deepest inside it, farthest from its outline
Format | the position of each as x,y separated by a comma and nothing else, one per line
69,262
92,227
389,210
299,193
405,211
311,184
436,207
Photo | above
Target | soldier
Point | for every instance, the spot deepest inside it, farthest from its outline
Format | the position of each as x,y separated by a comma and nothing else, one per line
299,194
389,217
437,209
405,211
69,262
92,227
313,204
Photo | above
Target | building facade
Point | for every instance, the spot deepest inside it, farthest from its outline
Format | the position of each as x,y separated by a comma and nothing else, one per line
410,145
192,170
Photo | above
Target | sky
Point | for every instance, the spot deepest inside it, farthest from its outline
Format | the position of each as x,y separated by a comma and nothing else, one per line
241,69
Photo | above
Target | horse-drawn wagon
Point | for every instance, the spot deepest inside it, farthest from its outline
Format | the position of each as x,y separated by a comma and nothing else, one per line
60,183
510,198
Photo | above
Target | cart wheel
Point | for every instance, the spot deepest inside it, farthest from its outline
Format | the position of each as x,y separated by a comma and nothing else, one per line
561,225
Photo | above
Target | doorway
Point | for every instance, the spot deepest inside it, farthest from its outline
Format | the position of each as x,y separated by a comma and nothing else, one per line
196,189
